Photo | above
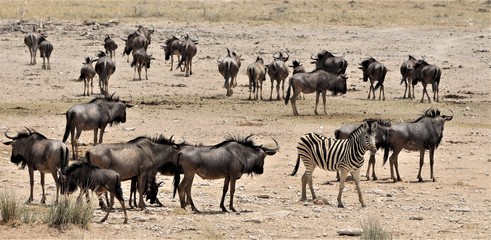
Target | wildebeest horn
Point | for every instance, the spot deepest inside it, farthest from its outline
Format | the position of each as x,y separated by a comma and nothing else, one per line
448,118
312,57
272,150
7,136
228,52
274,55
287,56
28,130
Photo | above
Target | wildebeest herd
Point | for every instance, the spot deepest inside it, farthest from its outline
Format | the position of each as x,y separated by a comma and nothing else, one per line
140,160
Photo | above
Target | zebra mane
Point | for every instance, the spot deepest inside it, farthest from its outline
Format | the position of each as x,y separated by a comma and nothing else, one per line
241,140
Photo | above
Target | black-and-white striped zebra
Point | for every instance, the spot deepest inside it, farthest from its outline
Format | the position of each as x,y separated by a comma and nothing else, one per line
344,155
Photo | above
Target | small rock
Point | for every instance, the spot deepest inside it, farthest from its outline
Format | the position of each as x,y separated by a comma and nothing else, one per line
416,218
350,232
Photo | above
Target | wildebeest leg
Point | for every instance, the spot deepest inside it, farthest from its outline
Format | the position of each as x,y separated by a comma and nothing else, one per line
432,153
134,72
404,79
435,92
317,94
132,201
142,184
283,89
421,163
293,100
31,182
382,91
356,177
190,67
251,85
224,192
427,95
108,210
396,166
121,201
371,162
341,187
55,177
370,90
392,163
91,86
278,89
232,192
271,93
260,89
146,76
43,198
49,66
412,96
324,101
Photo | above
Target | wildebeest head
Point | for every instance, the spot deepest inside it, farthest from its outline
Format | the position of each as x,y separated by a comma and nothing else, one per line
169,45
340,85
115,107
364,67
281,57
152,191
21,144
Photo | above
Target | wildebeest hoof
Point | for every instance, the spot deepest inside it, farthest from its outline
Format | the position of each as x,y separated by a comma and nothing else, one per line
363,205
340,205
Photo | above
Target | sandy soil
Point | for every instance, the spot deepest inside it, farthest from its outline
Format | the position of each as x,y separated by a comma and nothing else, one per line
195,109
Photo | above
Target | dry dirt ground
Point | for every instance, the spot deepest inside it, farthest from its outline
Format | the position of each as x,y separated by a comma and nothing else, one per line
195,109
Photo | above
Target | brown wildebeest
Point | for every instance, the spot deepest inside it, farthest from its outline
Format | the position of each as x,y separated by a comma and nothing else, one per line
229,159
87,176
188,51
374,71
45,49
229,67
318,81
407,70
35,151
297,67
425,133
141,59
140,38
110,47
380,140
344,155
278,71
140,159
87,74
95,115
31,41
427,74
256,72
173,47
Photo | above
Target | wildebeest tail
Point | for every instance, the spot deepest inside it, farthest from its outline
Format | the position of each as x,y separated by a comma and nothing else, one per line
288,92
69,118
183,56
436,79
251,72
133,63
295,169
63,158
117,187
82,76
379,83
177,175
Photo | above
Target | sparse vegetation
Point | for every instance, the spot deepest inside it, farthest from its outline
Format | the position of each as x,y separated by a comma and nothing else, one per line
13,210
68,211
373,231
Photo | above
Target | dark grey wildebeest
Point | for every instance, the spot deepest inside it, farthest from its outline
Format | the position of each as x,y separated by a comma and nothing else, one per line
35,151
141,59
256,72
229,159
110,46
407,70
95,115
278,71
427,74
139,159
140,38
374,71
87,74
318,81
425,133
87,176
229,67
45,49
188,51
381,134
104,68
172,47
330,63
297,67
31,41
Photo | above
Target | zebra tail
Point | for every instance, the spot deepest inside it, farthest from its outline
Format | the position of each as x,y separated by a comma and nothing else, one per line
295,169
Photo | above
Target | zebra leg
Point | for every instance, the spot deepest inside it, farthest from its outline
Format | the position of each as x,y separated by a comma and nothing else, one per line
307,179
356,177
421,163
341,187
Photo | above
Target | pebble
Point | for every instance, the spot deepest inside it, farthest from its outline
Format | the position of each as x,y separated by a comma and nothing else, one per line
350,232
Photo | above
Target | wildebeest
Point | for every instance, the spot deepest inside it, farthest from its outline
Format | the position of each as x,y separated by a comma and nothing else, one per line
188,51
172,47
229,67
31,41
87,176
278,71
425,133
110,47
87,74
330,63
297,67
141,159
318,81
427,74
256,72
96,114
141,59
104,68
35,151
140,38
343,155
229,159
374,71
407,70
380,140
45,49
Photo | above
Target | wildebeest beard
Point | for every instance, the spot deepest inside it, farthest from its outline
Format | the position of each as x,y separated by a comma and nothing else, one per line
256,169
18,159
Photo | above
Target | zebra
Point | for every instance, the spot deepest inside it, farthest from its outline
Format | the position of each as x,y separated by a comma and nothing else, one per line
344,155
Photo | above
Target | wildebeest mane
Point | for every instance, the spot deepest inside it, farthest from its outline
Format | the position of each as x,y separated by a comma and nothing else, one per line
79,164
382,122
241,140
28,134
431,113
108,98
